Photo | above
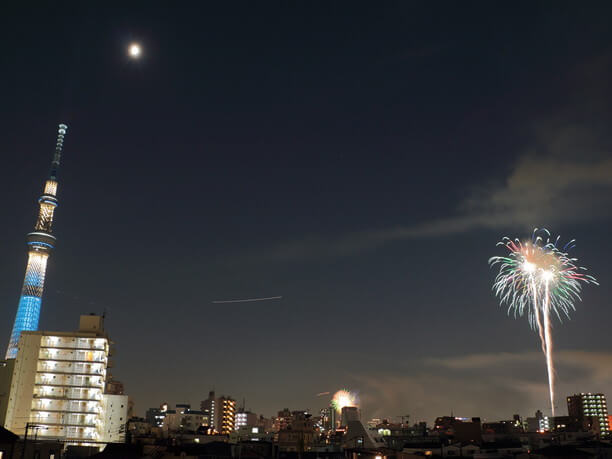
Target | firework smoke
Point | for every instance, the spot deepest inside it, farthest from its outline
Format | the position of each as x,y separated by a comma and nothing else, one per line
537,278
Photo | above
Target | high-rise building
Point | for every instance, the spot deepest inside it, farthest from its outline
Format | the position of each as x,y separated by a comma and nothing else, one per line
209,406
226,416
221,411
581,406
57,384
40,244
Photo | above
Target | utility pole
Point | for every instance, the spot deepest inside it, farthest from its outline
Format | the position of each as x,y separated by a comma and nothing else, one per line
25,440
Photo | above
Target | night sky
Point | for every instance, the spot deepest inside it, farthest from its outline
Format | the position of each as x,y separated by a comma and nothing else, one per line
360,160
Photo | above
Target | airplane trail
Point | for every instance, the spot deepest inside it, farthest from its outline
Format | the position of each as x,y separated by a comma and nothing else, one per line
248,300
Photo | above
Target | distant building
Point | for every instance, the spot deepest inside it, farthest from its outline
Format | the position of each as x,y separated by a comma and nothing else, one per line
114,387
155,416
221,412
193,420
299,435
581,406
328,418
184,420
459,429
507,427
539,423
182,407
249,434
138,427
172,422
374,423
209,406
265,424
283,419
348,414
245,419
226,415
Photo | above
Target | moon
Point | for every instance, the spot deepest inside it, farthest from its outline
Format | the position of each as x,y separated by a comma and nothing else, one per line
134,50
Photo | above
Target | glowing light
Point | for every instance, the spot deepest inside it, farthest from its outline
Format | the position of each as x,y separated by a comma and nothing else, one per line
548,276
40,245
538,278
51,187
528,267
135,50
344,398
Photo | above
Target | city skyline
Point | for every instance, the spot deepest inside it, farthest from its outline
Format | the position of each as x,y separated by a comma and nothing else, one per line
359,163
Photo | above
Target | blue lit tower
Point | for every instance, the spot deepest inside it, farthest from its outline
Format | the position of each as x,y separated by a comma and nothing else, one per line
40,244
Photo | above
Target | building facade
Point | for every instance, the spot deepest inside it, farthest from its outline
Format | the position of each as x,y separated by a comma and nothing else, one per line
226,416
115,409
209,406
57,384
581,406
246,419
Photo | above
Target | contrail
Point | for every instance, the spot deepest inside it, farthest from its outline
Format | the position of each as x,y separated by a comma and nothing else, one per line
248,300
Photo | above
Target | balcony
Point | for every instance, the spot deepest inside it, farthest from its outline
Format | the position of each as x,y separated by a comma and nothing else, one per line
79,386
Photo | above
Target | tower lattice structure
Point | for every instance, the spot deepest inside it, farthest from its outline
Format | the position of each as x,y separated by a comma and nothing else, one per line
40,244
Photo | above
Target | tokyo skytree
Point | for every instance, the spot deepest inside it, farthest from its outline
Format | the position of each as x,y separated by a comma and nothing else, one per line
40,244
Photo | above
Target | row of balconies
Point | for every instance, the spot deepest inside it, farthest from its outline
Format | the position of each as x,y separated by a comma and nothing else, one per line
63,419
72,433
76,393
68,380
58,405
52,366
68,342
62,354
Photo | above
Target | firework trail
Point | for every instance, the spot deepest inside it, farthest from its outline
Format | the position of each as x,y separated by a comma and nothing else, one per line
538,278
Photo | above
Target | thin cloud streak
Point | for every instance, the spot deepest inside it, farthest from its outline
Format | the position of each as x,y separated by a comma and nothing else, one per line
539,192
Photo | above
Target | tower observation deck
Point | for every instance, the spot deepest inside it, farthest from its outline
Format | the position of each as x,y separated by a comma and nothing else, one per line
40,244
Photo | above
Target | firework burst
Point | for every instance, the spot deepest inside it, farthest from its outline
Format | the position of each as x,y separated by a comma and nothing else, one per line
344,398
537,278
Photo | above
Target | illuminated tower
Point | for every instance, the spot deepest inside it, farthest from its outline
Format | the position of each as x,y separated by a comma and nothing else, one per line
40,244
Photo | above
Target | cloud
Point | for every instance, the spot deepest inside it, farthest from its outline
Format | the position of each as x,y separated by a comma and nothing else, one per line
539,191
490,385
562,174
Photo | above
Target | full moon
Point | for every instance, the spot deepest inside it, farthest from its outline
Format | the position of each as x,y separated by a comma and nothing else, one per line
134,50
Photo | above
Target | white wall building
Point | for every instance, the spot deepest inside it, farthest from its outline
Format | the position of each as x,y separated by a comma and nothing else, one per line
115,417
58,382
